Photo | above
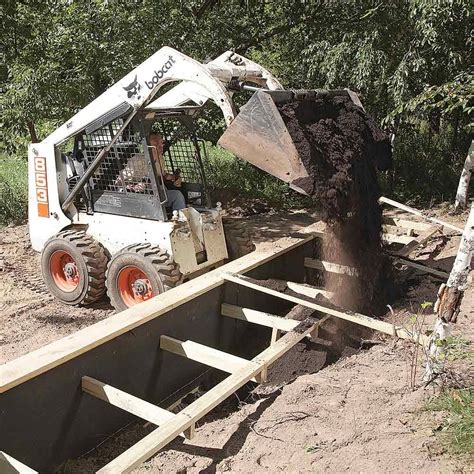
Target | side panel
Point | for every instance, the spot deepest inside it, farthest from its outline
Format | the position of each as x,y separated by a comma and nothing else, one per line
116,232
45,216
48,419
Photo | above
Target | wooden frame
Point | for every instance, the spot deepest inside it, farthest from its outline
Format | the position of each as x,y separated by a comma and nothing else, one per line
419,213
187,417
58,352
351,316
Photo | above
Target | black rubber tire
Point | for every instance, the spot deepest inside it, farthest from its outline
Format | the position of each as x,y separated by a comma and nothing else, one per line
161,269
237,238
90,259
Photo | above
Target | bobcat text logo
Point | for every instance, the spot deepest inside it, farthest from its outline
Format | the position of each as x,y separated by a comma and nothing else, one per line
133,89
41,182
160,73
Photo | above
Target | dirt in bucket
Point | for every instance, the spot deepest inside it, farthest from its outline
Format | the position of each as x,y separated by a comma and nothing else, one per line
341,148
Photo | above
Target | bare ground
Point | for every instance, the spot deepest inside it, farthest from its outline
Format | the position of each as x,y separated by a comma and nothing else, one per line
359,414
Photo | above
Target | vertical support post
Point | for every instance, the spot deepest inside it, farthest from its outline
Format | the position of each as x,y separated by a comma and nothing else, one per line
449,299
189,432
461,193
275,335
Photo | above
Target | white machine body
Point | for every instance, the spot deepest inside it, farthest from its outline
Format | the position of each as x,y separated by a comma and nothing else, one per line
187,236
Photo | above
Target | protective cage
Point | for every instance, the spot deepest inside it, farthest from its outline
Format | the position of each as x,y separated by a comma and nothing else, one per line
182,153
128,181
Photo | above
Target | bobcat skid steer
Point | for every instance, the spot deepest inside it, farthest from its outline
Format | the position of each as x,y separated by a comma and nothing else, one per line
98,201
102,226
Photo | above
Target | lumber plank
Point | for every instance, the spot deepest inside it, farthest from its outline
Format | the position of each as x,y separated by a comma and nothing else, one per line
10,465
203,354
160,437
258,317
420,240
398,239
58,352
134,405
329,266
419,266
419,213
351,316
277,323
308,290
407,224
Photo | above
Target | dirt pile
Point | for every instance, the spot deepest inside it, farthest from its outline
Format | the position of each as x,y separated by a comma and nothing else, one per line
342,148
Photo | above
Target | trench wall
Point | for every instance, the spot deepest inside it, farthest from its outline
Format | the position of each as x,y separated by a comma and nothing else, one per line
48,419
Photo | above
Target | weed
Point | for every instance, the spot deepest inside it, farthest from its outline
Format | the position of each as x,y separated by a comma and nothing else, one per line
417,322
312,448
458,428
226,172
13,190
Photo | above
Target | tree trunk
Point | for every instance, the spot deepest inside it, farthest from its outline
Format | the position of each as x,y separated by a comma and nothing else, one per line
461,194
32,130
449,300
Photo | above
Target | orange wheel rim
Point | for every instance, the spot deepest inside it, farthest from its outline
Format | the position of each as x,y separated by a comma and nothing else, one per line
64,271
134,285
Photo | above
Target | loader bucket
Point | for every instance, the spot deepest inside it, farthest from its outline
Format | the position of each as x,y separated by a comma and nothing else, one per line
259,135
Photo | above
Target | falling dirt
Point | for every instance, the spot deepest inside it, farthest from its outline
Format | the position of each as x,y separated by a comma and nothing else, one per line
341,149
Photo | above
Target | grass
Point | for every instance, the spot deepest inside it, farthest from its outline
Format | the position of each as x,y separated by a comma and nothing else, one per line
226,172
13,190
458,427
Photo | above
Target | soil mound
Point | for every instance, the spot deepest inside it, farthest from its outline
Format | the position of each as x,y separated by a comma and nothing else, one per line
342,148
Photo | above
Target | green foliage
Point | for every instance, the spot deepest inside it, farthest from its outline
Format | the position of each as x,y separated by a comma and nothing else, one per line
410,62
458,427
226,172
458,347
427,165
13,190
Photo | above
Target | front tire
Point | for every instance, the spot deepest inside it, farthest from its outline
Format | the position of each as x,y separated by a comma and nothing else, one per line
73,266
139,272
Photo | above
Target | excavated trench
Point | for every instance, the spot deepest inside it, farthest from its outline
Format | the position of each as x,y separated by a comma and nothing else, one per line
341,148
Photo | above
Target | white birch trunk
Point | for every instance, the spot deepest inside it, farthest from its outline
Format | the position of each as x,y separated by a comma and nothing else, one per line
449,300
461,194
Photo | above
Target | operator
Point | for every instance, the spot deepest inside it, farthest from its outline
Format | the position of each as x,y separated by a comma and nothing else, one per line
173,181
135,174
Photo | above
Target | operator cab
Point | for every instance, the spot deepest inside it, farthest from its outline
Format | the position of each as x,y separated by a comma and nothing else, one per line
131,179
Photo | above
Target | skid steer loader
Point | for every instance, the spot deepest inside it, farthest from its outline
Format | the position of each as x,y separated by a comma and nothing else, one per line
98,197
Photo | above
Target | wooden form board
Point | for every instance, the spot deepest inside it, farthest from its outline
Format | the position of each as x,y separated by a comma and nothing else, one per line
420,240
351,316
187,417
52,355
398,239
407,224
203,354
419,266
258,317
9,465
419,213
323,265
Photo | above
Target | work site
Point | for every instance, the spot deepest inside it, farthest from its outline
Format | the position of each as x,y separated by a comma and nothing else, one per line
236,237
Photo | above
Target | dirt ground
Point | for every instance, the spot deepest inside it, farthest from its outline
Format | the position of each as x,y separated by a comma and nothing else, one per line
358,414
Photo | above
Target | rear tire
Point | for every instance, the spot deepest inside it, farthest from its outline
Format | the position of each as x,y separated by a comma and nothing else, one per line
139,272
237,239
73,266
